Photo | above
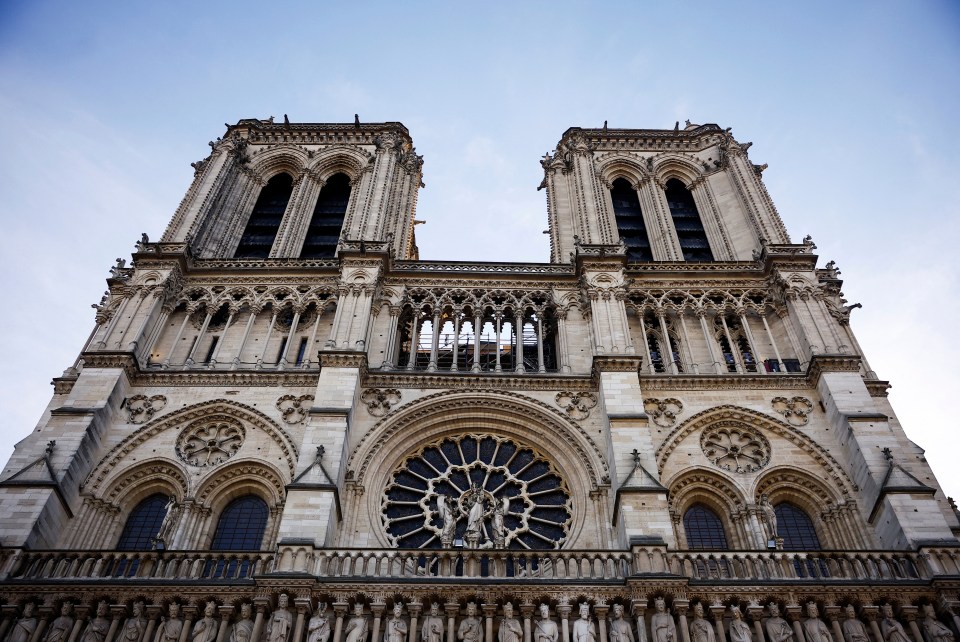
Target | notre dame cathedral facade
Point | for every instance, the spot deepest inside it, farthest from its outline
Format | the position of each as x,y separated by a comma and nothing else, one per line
286,427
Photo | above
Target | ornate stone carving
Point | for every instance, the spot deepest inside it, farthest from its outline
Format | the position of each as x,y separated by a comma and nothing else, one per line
735,448
208,443
577,405
796,409
663,412
141,408
294,408
379,401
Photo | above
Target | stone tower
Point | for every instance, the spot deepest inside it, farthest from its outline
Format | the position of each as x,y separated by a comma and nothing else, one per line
279,397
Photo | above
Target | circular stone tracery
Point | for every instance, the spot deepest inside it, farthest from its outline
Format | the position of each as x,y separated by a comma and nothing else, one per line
210,441
472,468
735,448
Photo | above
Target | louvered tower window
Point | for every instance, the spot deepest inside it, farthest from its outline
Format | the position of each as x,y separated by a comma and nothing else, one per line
324,231
703,528
633,232
261,230
687,223
143,524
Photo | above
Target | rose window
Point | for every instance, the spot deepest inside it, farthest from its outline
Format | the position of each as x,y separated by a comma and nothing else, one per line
209,443
734,448
477,491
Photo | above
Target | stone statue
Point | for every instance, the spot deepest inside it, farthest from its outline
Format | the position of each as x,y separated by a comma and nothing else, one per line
739,630
620,629
934,628
853,629
170,627
892,630
477,511
662,627
470,629
318,629
24,628
778,629
280,626
700,629
769,517
243,629
356,629
546,630
815,629
97,627
432,629
496,522
59,630
205,630
448,514
510,629
165,533
135,625
396,628
584,629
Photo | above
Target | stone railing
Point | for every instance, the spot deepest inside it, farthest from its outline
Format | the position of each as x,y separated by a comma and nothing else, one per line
514,566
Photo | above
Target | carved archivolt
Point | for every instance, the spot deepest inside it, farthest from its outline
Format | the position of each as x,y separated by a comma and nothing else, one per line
293,408
577,405
735,416
146,478
707,487
141,408
663,412
796,410
206,411
241,478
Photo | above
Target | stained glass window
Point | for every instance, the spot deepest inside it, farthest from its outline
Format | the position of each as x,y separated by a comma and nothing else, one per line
703,528
143,524
241,525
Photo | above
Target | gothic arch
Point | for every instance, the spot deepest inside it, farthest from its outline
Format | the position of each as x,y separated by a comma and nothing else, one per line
277,159
621,165
667,166
784,483
713,490
144,479
737,415
382,449
111,462
339,159
245,477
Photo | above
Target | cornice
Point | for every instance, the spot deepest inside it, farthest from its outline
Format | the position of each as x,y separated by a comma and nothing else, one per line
821,363
724,382
877,388
472,381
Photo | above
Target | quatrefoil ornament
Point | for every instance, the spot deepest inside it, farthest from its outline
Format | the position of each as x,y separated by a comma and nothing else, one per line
796,410
663,412
577,405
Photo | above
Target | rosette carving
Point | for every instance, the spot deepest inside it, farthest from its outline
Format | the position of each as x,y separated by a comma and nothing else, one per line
735,448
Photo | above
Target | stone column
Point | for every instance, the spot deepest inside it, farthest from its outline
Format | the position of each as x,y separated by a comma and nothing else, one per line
541,366
793,614
496,342
452,610
414,610
909,613
871,613
646,344
833,616
526,611
282,360
414,341
489,611
243,341
176,339
718,367
601,613
260,604
757,357
435,344
477,327
680,608
118,612
734,348
518,330
302,605
266,341
756,615
44,613
662,317
339,609
153,614
377,610
718,610
196,343
225,613
563,610
189,613
10,613
639,608
456,340
776,351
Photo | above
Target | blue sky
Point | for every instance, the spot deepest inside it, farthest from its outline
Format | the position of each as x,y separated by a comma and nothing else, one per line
852,104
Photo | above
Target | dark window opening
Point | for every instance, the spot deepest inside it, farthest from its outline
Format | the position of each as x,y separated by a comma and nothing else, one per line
687,223
633,231
703,528
655,357
796,528
143,524
327,220
283,349
792,365
261,230
213,347
241,525
301,351
727,355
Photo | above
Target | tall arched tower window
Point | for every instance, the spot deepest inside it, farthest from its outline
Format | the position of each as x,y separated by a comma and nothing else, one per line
324,231
261,230
796,528
143,524
687,223
241,525
630,225
703,528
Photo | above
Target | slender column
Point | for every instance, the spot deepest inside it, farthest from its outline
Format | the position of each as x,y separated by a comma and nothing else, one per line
148,345
389,349
717,366
661,316
717,612
595,323
776,351
153,614
339,608
141,295
601,612
909,613
646,344
303,607
541,366
243,341
223,339
562,339
686,341
453,610
833,614
377,610
414,610
827,320
813,322
435,344
639,613
414,341
681,610
497,341
871,612
734,348
112,324
266,342
756,615
134,344
176,339
77,625
189,613
489,610
225,613
260,603
43,619
196,344
337,315
10,614
518,330
456,340
118,611
282,362
526,611
757,357
308,358
563,611
477,328
793,613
